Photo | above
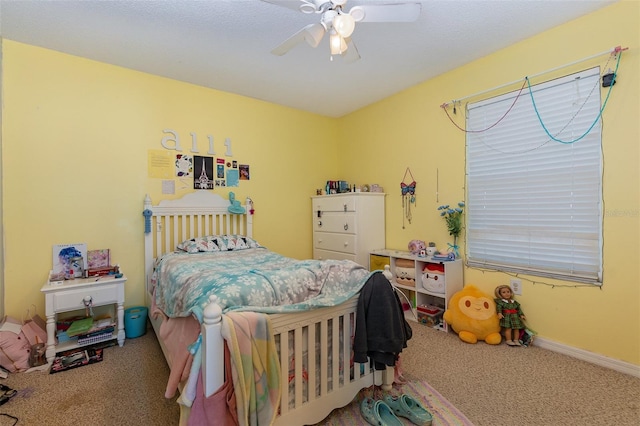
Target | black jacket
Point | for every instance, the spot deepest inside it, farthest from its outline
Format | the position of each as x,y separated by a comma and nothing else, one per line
381,329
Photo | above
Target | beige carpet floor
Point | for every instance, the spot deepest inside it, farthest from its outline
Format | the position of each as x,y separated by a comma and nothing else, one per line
491,385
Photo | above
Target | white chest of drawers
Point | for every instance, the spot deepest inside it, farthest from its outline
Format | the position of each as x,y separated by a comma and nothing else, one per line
348,226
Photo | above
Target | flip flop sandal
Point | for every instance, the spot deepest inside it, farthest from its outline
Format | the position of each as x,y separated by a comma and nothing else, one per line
6,393
406,406
378,413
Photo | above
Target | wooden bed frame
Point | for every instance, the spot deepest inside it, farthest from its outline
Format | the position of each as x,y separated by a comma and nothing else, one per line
203,213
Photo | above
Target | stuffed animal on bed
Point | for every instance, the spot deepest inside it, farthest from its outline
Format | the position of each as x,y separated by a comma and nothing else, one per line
472,314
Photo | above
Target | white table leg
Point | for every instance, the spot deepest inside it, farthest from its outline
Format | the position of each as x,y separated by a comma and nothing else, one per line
51,337
121,324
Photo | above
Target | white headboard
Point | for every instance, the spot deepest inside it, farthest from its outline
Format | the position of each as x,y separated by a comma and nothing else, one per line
196,214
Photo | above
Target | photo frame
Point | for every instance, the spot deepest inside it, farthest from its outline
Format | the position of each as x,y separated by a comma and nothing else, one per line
63,255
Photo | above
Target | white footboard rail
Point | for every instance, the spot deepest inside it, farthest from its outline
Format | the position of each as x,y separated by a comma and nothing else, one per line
317,372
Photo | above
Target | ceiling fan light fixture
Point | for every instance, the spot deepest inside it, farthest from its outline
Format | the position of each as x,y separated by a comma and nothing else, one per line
337,43
340,24
344,24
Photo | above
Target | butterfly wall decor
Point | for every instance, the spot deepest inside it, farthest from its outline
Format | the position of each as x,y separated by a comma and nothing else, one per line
408,195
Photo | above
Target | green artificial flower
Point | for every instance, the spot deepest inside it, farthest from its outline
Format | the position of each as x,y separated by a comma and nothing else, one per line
453,217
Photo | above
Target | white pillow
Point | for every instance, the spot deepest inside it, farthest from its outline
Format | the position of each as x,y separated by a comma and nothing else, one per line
218,243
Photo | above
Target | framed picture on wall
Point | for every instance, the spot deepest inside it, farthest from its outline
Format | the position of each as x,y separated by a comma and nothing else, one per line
203,177
244,172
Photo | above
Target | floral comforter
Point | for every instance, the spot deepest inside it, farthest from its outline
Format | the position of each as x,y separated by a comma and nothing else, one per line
255,279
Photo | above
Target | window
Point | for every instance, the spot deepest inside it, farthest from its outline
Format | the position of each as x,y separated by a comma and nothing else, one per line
534,199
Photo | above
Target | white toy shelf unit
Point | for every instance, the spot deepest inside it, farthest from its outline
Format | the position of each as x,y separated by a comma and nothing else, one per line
427,283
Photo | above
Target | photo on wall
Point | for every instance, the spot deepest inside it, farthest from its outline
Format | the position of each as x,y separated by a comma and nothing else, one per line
244,171
203,177
184,165
232,177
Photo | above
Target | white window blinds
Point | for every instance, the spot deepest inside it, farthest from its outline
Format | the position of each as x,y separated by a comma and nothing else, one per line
534,204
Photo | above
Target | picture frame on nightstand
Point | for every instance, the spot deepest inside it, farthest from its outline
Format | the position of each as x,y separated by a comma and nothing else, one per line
63,257
100,258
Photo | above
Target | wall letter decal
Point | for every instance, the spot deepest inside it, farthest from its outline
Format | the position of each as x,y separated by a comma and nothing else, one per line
171,141
175,138
194,142
227,143
211,151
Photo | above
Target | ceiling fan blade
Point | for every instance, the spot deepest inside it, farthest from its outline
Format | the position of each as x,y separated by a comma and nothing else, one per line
290,43
312,34
306,6
400,12
351,54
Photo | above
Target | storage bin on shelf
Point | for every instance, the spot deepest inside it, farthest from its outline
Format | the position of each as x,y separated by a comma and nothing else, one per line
430,315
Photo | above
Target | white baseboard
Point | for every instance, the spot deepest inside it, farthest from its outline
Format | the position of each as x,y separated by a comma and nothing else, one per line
593,358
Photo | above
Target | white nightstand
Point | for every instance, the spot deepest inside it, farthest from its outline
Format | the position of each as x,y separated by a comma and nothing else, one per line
71,296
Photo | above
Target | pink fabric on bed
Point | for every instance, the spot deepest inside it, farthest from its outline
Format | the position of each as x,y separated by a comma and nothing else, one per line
219,409
177,334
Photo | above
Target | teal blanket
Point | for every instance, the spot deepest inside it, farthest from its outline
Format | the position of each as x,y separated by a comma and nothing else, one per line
255,279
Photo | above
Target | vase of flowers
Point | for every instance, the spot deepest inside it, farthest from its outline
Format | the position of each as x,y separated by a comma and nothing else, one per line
453,217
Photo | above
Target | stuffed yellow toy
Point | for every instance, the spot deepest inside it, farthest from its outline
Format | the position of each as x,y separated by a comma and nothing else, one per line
472,314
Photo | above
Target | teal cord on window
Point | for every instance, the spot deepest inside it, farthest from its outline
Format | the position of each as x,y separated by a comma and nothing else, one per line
615,74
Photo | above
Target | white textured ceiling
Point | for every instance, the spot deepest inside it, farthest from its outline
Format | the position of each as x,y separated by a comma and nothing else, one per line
226,44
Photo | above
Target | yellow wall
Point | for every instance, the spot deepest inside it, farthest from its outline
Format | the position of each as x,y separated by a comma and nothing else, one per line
411,130
76,134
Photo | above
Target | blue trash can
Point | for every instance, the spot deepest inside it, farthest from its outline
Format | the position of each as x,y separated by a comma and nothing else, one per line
135,321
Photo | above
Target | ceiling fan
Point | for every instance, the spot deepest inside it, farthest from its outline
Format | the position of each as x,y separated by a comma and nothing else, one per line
340,24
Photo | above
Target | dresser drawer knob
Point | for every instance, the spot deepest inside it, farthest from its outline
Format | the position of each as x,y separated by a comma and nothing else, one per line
346,226
320,224
345,207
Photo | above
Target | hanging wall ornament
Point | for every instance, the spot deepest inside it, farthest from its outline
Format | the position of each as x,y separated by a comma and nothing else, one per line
408,195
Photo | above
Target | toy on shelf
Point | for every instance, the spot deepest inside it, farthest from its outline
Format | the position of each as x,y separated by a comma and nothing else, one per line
415,246
405,272
433,278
